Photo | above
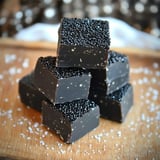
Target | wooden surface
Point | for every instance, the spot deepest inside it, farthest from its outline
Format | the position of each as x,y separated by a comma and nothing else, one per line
22,136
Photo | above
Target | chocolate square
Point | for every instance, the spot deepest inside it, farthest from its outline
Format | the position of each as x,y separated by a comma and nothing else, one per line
116,105
113,77
83,43
71,120
29,94
61,85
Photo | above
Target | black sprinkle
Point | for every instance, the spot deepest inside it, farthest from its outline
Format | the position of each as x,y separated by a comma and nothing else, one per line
84,32
75,109
49,62
116,57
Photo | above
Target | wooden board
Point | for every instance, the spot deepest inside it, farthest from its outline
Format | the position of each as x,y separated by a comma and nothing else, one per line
22,136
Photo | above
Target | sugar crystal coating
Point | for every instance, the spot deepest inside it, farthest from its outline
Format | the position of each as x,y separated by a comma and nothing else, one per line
71,120
49,62
76,108
84,32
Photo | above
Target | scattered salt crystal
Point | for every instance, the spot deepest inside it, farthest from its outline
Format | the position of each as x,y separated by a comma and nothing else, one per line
46,133
42,142
52,148
1,76
152,107
9,146
30,129
143,117
142,96
134,83
25,63
19,70
148,94
17,80
153,80
145,80
155,65
148,125
150,135
9,58
6,100
19,109
147,101
22,135
59,144
98,137
148,119
140,81
157,73
4,123
119,133
28,138
20,123
146,71
155,97
12,71
155,92
158,116
62,151
36,124
132,122
143,135
116,144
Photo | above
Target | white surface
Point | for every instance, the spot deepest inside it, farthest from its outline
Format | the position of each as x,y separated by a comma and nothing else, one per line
122,35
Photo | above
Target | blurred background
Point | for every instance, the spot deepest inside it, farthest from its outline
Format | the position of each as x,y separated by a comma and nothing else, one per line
16,15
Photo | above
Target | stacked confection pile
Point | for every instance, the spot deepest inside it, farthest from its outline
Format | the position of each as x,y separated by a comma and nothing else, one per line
84,82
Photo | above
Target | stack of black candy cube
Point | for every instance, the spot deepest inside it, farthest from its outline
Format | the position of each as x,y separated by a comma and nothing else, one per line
84,81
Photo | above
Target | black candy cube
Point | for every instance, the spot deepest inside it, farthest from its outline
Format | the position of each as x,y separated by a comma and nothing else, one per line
113,77
71,120
61,85
29,94
83,43
116,105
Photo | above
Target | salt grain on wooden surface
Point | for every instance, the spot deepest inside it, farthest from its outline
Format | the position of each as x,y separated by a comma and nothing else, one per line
136,138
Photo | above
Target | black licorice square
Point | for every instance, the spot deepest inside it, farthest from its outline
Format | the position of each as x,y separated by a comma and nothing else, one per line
104,87
113,77
61,85
116,105
71,120
29,94
83,43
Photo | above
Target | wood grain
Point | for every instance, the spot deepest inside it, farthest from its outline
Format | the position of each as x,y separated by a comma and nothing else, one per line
22,136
